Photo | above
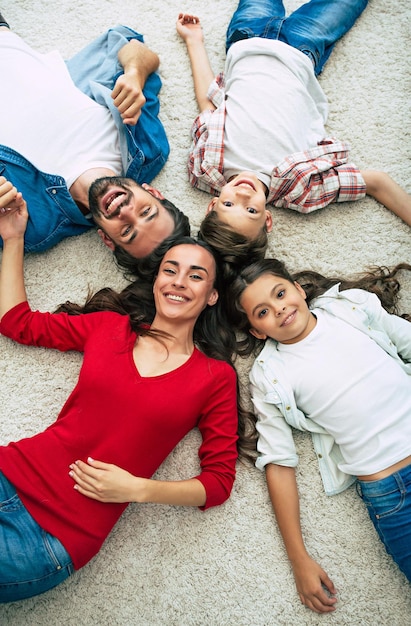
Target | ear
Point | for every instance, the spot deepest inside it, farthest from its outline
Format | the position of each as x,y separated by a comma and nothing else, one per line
106,239
268,221
154,192
211,206
300,290
257,334
213,298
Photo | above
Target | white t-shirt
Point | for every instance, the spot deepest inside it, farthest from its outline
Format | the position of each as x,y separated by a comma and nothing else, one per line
345,382
47,119
274,106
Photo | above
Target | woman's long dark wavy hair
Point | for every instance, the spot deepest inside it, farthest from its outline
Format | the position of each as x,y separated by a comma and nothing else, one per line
213,334
379,280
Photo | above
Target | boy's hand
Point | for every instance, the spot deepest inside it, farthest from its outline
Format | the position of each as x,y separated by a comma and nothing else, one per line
13,211
189,27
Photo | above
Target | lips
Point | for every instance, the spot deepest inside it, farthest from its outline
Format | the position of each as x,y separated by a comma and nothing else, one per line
111,201
289,319
173,297
245,182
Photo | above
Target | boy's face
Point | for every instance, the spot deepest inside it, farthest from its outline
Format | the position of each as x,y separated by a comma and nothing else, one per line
242,205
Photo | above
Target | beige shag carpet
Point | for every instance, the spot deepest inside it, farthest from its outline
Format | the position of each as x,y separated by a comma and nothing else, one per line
226,567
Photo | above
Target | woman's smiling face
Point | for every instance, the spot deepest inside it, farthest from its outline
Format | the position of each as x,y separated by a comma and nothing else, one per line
184,285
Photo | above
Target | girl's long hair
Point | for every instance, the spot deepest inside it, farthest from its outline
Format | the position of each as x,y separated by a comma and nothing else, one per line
379,280
213,334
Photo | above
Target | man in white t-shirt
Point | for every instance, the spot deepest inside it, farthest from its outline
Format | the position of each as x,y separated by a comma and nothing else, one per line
260,136
68,124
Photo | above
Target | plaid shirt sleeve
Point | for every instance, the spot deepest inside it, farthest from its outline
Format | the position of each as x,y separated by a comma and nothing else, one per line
307,181
205,161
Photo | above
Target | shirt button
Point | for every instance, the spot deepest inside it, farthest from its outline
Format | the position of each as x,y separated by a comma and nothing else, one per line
274,381
54,191
287,408
353,308
320,456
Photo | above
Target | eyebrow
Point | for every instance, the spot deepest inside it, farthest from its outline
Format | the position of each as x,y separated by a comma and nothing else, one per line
150,217
262,303
192,267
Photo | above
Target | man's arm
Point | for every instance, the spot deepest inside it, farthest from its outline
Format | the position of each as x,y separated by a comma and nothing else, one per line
383,188
310,578
189,29
138,63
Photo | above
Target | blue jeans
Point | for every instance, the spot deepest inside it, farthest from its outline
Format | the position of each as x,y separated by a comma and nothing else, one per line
313,28
389,505
31,560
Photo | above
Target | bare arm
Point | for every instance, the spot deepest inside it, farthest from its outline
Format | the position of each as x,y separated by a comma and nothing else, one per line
138,63
109,483
310,578
384,189
12,228
189,29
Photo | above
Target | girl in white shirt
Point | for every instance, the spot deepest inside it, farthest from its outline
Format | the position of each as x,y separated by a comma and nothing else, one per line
338,366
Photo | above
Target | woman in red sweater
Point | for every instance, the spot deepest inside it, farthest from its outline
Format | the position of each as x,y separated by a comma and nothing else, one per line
141,388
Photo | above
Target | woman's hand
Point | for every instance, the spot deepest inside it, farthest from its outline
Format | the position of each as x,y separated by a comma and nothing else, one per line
106,482
13,211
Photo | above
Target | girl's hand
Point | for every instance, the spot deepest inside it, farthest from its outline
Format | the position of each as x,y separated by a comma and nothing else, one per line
314,587
106,482
189,27
13,211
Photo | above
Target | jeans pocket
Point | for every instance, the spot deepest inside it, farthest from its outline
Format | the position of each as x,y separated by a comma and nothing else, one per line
58,554
384,504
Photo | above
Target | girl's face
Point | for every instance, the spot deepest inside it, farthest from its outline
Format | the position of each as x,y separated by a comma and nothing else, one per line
185,283
277,308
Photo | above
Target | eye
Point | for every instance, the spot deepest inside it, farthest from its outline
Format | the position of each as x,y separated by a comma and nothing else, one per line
146,212
196,277
250,209
281,293
169,270
262,313
126,231
227,203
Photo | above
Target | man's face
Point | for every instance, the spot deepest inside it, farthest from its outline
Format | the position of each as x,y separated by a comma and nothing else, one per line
242,205
129,216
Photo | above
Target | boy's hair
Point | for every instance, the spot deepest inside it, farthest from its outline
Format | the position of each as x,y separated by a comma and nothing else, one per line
234,249
379,280
144,267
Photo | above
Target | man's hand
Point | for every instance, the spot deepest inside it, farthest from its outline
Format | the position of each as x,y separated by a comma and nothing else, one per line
314,587
128,97
189,27
138,63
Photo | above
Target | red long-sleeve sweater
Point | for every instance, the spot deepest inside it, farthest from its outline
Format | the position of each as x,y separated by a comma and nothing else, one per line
116,416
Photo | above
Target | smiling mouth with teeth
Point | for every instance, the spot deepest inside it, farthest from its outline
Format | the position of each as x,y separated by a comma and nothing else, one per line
175,298
114,202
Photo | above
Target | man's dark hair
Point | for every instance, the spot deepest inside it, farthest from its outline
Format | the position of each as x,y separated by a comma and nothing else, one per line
142,268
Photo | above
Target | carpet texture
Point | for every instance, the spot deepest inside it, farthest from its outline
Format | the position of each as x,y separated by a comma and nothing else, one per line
226,567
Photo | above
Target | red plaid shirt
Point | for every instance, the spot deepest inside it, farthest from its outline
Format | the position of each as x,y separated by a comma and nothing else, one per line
304,181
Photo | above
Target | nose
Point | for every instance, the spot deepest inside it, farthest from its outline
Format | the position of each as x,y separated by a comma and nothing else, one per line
179,282
279,307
